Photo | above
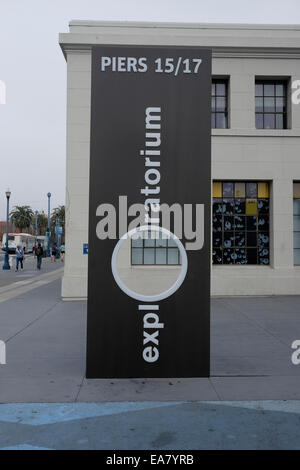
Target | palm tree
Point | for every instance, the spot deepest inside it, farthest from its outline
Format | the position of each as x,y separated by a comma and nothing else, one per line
22,217
58,214
42,223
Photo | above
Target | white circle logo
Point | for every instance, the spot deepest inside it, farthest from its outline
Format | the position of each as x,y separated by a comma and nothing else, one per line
129,290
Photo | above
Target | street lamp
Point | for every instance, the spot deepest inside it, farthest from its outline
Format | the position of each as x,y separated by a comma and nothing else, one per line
56,228
6,259
36,220
48,244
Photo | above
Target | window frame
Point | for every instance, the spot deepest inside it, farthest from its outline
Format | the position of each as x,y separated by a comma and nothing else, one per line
285,114
295,215
214,112
220,233
155,248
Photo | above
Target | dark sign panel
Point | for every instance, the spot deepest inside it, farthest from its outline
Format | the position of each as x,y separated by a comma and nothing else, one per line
149,297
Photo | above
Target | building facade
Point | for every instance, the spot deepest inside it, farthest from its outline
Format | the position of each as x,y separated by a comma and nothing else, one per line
255,149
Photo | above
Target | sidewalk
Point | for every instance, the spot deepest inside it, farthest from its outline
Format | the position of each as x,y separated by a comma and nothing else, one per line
250,363
250,350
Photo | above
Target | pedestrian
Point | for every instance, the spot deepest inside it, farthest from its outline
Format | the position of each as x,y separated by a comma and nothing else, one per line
19,258
53,252
34,250
62,251
39,255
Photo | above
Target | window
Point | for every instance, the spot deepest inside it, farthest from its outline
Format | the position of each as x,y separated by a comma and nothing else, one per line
296,213
270,104
219,105
240,222
155,250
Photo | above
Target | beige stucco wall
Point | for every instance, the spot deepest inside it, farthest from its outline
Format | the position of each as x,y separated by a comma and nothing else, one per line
238,153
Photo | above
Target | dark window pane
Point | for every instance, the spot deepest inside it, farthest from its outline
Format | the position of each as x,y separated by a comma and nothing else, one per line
251,255
240,206
221,121
259,121
269,105
263,206
213,89
228,222
217,223
213,104
263,240
228,190
228,256
258,90
259,105
251,222
263,253
279,121
240,256
228,206
263,250
240,239
217,239
263,259
239,222
217,206
263,223
269,89
228,239
251,190
269,121
251,239
217,256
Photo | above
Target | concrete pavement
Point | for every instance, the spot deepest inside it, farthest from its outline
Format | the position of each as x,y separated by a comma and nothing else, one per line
54,406
45,338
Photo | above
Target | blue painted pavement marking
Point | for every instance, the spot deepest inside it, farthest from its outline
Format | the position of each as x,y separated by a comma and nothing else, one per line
49,413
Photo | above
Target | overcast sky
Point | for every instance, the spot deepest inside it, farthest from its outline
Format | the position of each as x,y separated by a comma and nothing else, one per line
32,123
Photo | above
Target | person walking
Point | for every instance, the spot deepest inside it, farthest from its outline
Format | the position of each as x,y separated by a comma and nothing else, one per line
53,253
39,251
20,257
62,252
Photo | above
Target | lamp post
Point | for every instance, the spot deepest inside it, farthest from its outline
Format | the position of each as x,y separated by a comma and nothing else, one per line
56,228
6,259
36,219
48,244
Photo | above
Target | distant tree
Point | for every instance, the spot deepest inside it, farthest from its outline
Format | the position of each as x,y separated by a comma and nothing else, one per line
42,223
22,217
57,218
